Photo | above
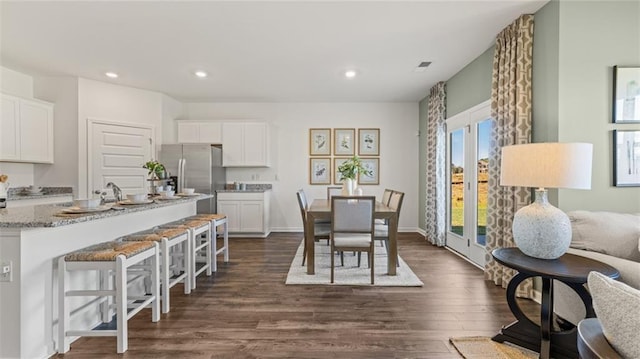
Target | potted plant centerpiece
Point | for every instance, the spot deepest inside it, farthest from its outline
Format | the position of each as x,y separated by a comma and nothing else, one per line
156,169
349,170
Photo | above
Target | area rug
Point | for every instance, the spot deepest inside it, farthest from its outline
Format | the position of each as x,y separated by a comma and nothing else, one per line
350,274
485,348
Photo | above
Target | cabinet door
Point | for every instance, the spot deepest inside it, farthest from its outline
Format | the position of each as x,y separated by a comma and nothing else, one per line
251,216
36,132
211,132
188,132
232,210
255,144
232,144
10,128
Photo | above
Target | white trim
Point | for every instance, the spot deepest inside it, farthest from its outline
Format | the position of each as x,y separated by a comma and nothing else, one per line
465,258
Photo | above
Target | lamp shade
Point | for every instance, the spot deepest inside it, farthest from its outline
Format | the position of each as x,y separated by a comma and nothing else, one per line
547,165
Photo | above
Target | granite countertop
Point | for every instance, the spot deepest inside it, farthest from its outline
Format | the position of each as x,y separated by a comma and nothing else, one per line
50,215
19,193
251,188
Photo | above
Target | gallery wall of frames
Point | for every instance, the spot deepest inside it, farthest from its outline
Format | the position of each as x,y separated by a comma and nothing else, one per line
329,148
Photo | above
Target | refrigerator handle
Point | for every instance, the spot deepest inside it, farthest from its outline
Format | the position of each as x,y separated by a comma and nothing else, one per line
182,178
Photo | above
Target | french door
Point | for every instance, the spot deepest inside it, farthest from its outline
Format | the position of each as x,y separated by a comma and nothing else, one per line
468,138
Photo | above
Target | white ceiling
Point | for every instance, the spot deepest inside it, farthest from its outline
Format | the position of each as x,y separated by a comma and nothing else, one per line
256,51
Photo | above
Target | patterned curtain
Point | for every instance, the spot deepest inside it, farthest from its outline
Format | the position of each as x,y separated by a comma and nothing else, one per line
436,165
511,112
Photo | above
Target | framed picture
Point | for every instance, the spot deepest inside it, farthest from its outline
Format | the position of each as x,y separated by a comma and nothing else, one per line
337,162
626,158
372,165
319,141
320,170
344,141
626,94
369,142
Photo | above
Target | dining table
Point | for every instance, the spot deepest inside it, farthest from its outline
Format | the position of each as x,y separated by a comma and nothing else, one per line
321,209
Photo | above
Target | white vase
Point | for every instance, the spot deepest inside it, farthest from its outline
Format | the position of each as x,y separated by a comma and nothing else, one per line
347,187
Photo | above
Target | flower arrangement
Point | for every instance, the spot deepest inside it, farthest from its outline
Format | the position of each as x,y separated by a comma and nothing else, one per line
155,167
350,168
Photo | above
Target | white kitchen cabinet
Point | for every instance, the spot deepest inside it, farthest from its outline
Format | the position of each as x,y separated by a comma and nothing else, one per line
247,212
26,130
200,132
245,144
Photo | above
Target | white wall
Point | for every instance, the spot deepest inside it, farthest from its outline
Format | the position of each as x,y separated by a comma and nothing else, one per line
171,111
63,92
115,103
18,84
290,123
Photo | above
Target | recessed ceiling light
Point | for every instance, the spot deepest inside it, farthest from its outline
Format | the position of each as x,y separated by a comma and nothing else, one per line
112,75
200,74
350,74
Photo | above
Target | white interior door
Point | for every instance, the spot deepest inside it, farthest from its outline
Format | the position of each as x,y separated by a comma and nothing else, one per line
117,154
468,136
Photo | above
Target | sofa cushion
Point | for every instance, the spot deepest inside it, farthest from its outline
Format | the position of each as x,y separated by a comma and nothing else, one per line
617,306
615,234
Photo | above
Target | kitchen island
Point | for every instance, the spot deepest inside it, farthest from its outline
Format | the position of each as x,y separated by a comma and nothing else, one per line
33,237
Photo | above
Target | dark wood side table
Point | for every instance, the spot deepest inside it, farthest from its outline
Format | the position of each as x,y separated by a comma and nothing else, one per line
571,270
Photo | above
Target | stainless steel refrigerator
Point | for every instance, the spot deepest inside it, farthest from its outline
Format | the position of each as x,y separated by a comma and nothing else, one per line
196,166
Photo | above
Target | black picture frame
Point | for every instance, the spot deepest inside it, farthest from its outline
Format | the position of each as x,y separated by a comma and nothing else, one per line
626,94
626,158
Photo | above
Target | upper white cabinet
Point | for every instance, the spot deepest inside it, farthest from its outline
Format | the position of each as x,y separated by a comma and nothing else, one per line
26,130
200,132
245,144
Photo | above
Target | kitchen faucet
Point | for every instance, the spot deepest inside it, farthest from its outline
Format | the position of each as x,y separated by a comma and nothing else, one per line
117,192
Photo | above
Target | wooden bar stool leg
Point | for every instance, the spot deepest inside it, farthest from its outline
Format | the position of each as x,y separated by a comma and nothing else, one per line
105,284
214,244
226,240
165,274
155,287
121,305
63,315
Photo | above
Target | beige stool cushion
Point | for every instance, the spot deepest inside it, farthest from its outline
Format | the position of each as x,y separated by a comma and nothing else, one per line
153,237
171,232
210,216
108,251
196,223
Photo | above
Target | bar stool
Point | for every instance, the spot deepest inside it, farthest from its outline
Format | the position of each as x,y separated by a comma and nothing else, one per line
176,239
201,244
217,220
118,259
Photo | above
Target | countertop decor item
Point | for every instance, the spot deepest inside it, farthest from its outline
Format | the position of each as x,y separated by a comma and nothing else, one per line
155,169
541,230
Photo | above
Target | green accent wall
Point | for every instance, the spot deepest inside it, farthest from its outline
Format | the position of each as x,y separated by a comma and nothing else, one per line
471,85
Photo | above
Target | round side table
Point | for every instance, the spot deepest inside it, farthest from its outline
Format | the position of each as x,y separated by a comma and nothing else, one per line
571,270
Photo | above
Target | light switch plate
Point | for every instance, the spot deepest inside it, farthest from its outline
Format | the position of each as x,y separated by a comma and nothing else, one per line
6,271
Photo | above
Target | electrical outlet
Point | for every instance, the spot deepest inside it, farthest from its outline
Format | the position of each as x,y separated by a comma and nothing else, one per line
6,271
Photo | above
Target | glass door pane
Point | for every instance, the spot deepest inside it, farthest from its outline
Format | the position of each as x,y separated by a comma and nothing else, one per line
456,189
483,139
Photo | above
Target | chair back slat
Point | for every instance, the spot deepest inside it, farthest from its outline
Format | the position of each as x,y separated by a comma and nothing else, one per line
386,196
352,214
302,202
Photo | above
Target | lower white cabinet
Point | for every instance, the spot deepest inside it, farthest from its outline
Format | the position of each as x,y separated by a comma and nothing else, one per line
247,212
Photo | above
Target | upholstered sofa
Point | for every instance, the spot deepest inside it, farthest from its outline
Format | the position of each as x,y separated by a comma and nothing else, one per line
608,237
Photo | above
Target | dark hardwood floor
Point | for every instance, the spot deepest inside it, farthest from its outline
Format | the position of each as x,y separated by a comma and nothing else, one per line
246,311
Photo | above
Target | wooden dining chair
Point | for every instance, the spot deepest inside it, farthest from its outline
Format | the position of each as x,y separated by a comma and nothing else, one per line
321,230
386,196
381,232
352,227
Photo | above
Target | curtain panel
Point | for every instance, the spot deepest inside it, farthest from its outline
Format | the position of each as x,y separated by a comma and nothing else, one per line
511,113
436,151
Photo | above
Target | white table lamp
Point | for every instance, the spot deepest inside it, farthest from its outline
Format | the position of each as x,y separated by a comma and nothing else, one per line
541,230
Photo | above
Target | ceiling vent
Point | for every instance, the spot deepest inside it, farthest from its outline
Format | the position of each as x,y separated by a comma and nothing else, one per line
422,67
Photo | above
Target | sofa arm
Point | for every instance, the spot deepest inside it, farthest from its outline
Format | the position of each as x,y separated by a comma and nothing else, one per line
566,302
